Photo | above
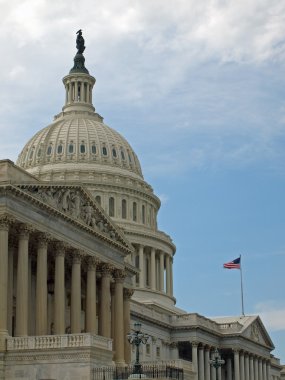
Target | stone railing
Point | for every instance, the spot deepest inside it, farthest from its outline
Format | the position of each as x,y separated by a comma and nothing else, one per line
58,341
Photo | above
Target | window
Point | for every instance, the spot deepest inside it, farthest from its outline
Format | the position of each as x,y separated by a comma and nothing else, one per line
124,209
82,148
31,154
104,151
130,158
98,199
147,349
122,154
49,149
39,152
143,214
93,149
157,352
134,211
114,152
111,206
59,149
70,148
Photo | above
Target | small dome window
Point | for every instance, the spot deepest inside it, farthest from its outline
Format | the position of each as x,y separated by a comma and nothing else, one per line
70,148
59,149
130,158
104,151
98,199
39,152
82,148
114,152
122,154
49,150
31,154
93,149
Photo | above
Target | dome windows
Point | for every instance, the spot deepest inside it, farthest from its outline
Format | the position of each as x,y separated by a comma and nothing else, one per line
114,153
93,149
143,214
123,154
134,211
104,151
124,209
111,206
71,148
98,199
49,150
31,153
82,148
59,149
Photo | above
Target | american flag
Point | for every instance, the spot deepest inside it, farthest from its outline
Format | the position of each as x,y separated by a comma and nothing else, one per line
235,264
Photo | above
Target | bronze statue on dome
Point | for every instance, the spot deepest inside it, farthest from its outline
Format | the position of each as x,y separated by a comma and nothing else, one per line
80,42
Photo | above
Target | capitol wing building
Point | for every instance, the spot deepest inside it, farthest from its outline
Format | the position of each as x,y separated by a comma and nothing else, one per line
82,259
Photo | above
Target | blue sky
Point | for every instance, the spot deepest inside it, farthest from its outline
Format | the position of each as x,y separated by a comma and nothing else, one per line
198,89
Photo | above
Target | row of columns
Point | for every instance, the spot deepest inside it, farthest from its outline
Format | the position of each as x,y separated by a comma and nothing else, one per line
243,366
78,91
160,270
109,276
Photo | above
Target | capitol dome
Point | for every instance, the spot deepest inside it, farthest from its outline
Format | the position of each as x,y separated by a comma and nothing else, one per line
79,139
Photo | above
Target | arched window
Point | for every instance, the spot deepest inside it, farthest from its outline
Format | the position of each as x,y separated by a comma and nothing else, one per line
124,209
59,149
70,148
49,150
111,206
104,151
39,152
82,148
98,199
114,152
122,154
134,211
143,214
93,149
31,154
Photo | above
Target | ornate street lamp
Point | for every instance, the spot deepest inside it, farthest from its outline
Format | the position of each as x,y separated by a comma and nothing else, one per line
217,362
137,338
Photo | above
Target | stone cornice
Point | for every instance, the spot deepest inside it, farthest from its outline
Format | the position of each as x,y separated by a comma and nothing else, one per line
23,190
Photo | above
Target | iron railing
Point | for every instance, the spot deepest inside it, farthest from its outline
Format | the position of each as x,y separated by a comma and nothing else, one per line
147,371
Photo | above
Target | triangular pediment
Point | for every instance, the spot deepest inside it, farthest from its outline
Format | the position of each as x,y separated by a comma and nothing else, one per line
76,204
256,331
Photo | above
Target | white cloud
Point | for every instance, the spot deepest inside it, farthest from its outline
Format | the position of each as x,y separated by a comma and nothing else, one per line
272,315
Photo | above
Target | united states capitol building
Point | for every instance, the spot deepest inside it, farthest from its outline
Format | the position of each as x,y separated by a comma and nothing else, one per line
82,259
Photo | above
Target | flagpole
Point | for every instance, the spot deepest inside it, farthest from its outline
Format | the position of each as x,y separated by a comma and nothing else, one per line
241,288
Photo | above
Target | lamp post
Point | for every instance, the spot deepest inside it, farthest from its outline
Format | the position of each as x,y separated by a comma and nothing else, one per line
137,338
217,362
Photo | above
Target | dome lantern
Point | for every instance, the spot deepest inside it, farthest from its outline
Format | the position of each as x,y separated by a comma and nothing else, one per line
79,84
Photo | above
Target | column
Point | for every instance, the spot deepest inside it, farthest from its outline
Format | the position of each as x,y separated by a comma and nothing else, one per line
207,364
229,369
152,269
127,323
75,309
213,369
76,91
171,275
41,286
268,370
119,317
260,372
201,363
219,370
69,96
256,369
264,370
10,301
246,367
251,368
4,232
87,92
236,364
22,283
105,300
195,359
168,290
141,266
59,291
91,296
161,268
241,362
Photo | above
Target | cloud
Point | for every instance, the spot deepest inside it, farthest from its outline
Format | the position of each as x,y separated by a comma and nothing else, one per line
272,315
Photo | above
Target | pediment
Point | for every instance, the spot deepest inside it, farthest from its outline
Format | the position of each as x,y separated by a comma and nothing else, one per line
76,204
257,333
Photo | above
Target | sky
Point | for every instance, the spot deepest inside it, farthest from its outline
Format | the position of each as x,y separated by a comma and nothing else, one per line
198,89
